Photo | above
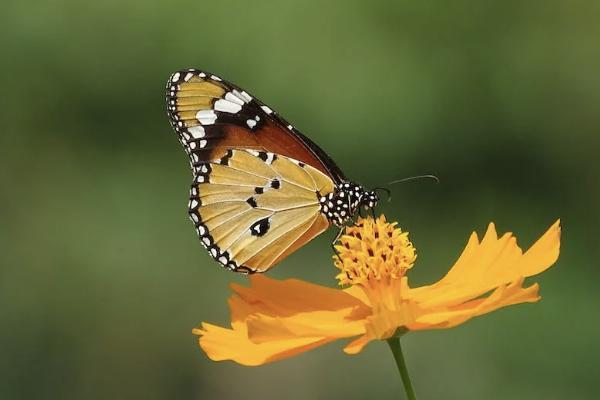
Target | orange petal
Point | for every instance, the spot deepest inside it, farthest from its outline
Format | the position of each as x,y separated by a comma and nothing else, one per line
357,345
290,297
487,265
503,296
228,344
341,324
274,319
356,291
543,253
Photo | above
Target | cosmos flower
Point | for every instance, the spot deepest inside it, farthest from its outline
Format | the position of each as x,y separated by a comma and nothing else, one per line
276,319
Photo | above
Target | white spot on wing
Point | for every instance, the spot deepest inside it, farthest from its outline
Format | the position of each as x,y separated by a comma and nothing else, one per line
234,98
215,78
267,109
188,76
175,77
251,123
227,106
247,98
206,117
197,131
243,96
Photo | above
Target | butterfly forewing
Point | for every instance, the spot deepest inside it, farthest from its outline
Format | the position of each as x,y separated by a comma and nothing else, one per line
211,116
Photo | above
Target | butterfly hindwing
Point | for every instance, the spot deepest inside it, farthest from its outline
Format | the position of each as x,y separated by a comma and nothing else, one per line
251,208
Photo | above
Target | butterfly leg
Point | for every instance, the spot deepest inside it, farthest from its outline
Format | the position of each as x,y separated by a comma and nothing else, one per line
360,212
337,237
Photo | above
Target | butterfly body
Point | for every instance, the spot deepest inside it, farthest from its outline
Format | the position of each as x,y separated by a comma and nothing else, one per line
261,189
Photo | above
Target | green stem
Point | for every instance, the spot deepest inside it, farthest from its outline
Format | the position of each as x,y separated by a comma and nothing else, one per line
394,343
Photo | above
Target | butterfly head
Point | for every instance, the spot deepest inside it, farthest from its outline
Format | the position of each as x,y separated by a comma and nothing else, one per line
369,199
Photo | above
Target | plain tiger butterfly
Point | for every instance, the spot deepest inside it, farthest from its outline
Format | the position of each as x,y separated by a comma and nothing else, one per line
261,189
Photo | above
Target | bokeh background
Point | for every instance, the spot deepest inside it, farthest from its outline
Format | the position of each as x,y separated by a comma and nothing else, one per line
102,277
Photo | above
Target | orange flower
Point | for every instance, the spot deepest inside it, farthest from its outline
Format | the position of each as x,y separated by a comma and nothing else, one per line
273,319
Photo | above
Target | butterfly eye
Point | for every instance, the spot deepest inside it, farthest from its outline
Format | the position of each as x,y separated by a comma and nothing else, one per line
369,199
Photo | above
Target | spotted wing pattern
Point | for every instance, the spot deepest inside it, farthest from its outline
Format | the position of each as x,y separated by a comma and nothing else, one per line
252,209
212,116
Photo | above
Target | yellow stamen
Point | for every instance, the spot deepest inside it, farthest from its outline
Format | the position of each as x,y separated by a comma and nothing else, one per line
373,250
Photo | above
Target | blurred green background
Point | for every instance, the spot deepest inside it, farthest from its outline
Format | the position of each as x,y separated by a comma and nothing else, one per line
102,277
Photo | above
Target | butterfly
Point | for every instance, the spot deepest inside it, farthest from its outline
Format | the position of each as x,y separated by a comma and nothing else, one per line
261,189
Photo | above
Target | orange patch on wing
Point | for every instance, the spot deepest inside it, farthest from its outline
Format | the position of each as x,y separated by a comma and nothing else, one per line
278,140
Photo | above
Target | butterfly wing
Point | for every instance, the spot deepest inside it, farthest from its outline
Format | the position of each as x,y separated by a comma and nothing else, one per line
257,180
250,213
212,116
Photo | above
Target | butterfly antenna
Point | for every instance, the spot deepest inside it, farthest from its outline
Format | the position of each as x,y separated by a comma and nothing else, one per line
413,178
387,192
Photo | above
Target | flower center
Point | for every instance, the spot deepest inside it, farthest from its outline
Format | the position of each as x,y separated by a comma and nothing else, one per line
374,255
373,250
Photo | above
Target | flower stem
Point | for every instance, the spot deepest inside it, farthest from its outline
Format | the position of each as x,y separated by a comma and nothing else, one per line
394,343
